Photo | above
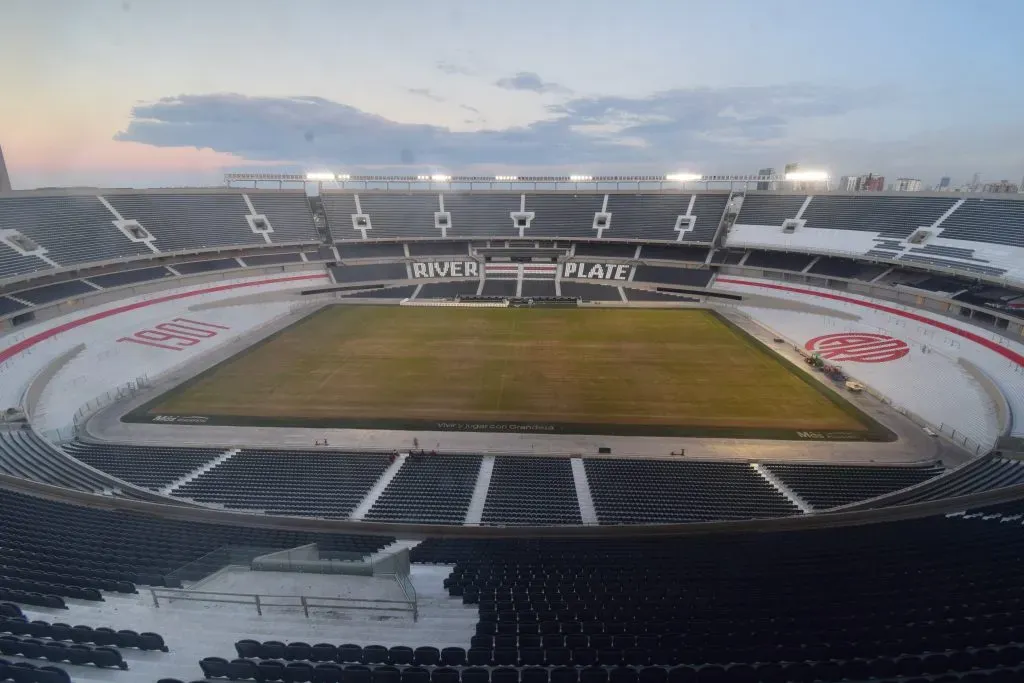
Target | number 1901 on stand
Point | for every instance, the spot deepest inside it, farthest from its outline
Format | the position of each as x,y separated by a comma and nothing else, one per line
175,335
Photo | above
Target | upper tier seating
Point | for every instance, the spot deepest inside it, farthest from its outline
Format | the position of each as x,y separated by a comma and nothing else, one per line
482,215
892,216
769,209
452,248
112,550
429,489
660,491
532,491
26,455
288,213
304,483
398,215
562,215
651,216
13,263
189,221
829,486
151,467
73,229
987,220
708,208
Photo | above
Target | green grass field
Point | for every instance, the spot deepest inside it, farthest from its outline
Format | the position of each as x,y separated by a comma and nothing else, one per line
633,371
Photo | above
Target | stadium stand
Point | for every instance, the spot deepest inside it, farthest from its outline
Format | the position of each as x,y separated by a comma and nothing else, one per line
661,491
708,208
769,209
646,216
377,272
503,288
73,229
532,288
272,259
987,220
339,207
151,467
563,215
482,215
355,250
453,248
110,550
25,454
50,293
400,215
288,213
778,260
667,252
589,292
981,474
686,277
806,610
13,263
208,266
532,491
131,277
605,250
294,482
895,217
429,489
189,221
829,486
833,266
8,306
447,290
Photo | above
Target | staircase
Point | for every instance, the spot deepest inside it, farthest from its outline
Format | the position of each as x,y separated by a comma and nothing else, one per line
316,206
199,471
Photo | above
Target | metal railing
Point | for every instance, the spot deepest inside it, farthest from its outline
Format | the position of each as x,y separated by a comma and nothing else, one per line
303,602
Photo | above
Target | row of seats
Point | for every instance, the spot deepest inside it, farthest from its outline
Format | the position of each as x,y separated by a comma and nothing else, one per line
56,651
26,672
82,634
151,467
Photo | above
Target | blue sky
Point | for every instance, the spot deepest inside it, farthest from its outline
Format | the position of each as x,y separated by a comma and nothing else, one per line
174,92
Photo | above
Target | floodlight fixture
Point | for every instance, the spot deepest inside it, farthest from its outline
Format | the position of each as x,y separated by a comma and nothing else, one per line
506,178
319,175
422,177
581,178
440,178
807,176
683,177
343,176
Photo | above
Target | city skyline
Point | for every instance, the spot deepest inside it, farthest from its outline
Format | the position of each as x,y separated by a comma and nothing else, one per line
174,92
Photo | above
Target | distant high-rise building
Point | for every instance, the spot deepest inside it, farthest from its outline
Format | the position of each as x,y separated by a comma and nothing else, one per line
766,185
848,183
1001,187
5,180
975,182
907,185
944,183
870,183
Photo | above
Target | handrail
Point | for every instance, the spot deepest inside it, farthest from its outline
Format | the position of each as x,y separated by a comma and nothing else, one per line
290,601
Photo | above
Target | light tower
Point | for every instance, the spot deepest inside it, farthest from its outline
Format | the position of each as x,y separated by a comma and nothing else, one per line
5,180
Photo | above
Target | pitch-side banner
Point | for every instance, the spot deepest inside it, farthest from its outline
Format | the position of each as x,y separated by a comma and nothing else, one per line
433,269
584,270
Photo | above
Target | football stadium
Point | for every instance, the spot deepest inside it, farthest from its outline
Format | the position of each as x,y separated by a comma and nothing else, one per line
500,430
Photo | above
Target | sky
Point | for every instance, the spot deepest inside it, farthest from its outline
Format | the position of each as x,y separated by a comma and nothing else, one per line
148,93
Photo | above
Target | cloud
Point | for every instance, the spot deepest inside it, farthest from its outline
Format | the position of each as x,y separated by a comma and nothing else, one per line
531,82
703,128
425,92
469,108
454,69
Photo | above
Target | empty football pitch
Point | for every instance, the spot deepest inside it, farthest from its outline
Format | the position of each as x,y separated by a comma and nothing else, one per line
545,370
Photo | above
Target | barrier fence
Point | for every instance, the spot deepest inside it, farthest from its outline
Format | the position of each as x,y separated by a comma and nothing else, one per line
304,602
